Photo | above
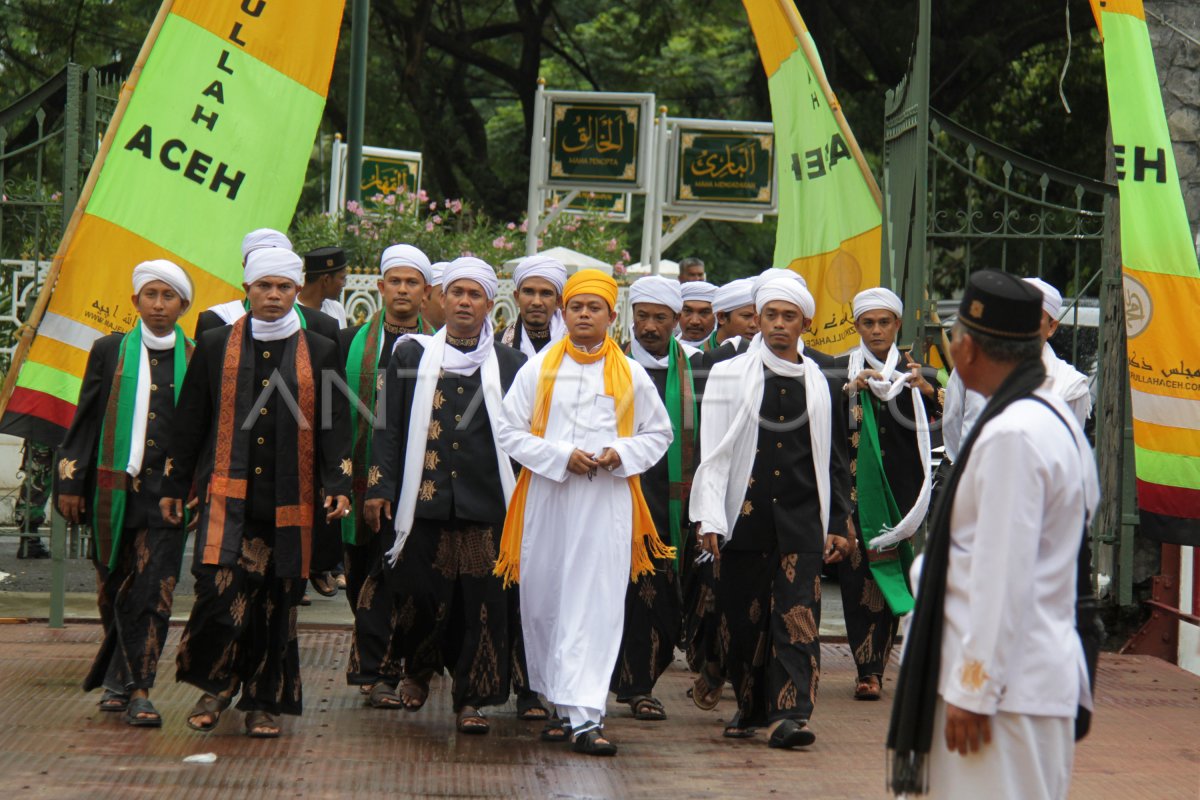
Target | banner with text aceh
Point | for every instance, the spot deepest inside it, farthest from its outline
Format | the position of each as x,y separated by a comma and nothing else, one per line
1161,284
211,139
830,218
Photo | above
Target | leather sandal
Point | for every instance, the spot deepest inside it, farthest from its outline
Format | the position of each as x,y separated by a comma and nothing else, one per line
383,695
592,743
868,688
791,733
113,701
647,708
472,721
262,725
706,690
556,731
208,705
530,708
142,705
414,692
735,729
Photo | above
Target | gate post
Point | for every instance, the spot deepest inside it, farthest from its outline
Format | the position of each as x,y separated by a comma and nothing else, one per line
71,128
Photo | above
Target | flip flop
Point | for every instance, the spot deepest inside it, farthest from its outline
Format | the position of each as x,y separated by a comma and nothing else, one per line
142,705
113,701
472,721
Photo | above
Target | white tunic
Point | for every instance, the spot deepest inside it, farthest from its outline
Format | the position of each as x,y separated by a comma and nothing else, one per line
336,310
575,550
1009,642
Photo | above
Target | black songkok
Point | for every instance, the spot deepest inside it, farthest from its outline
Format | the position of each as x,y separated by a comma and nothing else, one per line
325,260
1001,304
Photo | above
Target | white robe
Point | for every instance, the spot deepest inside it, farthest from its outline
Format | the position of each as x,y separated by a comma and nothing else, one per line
575,550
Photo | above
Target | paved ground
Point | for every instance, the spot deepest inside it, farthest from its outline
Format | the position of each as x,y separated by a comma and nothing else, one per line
55,743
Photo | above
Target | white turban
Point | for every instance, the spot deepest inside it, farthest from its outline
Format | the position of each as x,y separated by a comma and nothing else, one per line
657,289
274,262
469,268
405,255
435,272
162,270
788,290
540,267
775,272
877,299
734,295
701,291
263,237
1051,297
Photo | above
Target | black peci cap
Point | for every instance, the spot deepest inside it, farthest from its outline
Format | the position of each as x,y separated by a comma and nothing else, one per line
324,260
1001,304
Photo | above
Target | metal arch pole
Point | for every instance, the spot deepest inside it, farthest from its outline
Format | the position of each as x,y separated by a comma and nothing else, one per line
537,159
650,208
659,190
358,99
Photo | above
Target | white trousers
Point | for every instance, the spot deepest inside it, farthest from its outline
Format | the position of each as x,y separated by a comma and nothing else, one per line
580,716
1029,759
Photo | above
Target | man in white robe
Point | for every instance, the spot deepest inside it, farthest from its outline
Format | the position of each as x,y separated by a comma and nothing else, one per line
993,657
576,528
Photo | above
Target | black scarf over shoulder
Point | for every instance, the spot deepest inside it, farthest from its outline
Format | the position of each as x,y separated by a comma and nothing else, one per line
910,734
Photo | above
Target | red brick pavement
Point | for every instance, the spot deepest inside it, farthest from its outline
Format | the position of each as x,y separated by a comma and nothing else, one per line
55,743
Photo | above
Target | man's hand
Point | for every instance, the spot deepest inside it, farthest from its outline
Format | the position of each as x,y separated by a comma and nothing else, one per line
837,548
192,505
709,543
375,510
609,458
172,510
582,462
338,506
860,380
916,378
966,731
72,507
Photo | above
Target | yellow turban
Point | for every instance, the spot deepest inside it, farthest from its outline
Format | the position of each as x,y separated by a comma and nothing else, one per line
591,281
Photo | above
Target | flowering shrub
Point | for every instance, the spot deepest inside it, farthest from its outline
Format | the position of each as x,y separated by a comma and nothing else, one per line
447,229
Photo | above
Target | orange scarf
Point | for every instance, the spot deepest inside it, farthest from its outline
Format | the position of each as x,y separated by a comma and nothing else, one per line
618,384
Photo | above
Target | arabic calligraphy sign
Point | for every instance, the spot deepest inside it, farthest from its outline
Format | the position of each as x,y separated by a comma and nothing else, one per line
385,171
595,143
724,167
610,205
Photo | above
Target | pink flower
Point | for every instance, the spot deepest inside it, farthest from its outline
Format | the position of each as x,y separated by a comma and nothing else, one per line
539,243
354,208
377,198
429,227
353,229
390,200
455,206
421,196
624,255
437,219
611,245
433,206
499,242
619,268
512,226
524,226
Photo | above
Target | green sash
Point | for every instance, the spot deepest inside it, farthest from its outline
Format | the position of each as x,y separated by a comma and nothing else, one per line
712,343
362,366
681,407
116,440
877,509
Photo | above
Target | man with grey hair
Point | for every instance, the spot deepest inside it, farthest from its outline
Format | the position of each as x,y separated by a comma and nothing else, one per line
691,269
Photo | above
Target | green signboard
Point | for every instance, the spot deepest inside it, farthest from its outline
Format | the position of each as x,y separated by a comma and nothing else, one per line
726,168
594,143
610,205
387,175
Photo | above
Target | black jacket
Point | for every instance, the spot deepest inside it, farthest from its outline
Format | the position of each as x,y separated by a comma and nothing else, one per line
317,322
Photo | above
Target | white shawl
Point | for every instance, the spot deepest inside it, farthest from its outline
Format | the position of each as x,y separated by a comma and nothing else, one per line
729,435
886,389
1068,383
141,398
437,358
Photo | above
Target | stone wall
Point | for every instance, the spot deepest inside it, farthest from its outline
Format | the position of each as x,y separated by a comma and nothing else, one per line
1177,57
